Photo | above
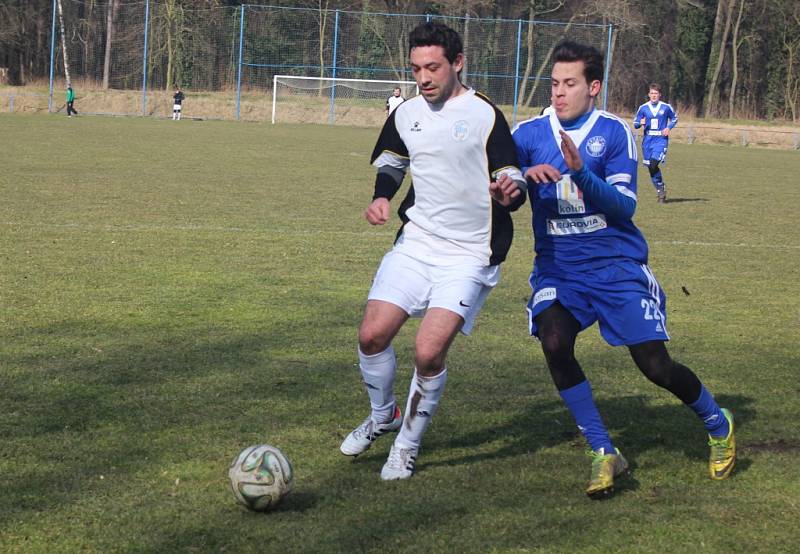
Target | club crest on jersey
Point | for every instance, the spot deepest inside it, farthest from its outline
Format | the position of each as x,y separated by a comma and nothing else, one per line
596,146
459,131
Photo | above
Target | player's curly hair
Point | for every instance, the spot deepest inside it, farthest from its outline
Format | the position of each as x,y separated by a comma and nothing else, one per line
436,34
570,51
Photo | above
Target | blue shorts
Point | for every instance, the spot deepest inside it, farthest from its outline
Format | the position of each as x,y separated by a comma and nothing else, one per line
654,148
624,298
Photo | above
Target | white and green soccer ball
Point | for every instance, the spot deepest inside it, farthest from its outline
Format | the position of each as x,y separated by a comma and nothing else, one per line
261,475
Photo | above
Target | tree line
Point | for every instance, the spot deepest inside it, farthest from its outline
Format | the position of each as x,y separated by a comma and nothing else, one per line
716,58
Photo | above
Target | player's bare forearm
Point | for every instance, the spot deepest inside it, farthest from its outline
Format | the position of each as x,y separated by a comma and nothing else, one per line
570,153
504,190
377,213
543,173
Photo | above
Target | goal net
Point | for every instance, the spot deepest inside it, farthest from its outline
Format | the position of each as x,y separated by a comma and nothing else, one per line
357,102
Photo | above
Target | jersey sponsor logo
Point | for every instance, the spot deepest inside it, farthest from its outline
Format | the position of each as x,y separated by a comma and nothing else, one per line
460,131
576,225
548,293
416,128
569,197
596,146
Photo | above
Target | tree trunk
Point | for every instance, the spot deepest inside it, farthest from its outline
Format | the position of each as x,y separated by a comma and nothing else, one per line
323,20
64,44
110,16
546,59
465,44
529,44
717,56
735,60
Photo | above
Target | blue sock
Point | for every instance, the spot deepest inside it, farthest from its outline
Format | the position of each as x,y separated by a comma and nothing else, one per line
580,403
658,180
709,411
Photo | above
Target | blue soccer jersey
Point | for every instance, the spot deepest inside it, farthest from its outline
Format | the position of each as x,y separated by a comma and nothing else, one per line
570,233
658,116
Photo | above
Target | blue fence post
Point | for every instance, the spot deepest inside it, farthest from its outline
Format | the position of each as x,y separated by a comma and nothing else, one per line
144,56
333,67
516,73
239,70
52,57
608,66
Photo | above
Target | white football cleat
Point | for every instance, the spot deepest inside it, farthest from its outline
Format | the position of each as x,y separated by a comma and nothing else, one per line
361,438
400,464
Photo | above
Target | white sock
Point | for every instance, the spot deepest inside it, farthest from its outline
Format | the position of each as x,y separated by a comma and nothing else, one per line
423,401
378,371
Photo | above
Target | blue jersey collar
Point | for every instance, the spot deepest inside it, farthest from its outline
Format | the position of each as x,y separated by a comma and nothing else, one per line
577,122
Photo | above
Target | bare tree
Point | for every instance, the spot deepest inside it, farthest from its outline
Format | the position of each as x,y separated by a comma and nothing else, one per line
534,11
722,26
735,44
111,17
64,43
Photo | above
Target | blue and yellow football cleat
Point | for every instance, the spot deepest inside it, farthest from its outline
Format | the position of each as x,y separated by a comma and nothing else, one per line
723,451
605,467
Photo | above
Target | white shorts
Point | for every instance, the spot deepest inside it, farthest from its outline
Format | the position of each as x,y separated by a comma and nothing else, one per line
415,286
176,108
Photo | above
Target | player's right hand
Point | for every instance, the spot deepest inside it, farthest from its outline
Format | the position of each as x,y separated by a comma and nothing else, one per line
643,121
377,213
543,173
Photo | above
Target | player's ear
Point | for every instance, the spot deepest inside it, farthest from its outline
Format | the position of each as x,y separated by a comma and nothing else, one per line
595,87
458,62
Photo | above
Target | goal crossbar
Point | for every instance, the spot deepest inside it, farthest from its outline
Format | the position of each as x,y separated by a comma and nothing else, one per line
331,82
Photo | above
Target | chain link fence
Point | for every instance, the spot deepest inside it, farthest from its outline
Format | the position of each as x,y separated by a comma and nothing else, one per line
225,59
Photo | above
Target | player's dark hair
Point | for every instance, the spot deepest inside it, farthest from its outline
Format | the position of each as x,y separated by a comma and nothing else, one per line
569,51
436,34
654,86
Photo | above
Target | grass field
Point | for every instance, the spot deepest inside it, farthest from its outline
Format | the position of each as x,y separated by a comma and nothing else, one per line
174,292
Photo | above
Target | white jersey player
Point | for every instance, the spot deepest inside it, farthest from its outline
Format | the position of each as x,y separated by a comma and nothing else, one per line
456,231
394,100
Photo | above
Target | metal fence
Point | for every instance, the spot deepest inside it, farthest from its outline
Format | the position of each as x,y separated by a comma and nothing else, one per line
225,58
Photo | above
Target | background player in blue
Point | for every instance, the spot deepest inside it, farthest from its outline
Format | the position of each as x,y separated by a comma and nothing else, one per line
591,260
657,118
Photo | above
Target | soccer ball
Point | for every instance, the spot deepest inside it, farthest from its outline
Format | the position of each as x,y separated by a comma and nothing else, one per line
261,476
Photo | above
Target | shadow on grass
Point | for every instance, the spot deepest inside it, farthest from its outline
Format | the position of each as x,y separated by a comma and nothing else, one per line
680,200
635,425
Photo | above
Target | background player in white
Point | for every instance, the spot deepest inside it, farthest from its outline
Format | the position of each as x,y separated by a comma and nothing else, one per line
456,231
591,261
657,118
177,102
394,100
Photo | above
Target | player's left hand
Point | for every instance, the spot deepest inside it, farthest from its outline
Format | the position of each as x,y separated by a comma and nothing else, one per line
570,152
665,132
504,190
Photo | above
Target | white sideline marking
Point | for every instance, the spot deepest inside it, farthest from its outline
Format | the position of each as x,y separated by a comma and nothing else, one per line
370,232
726,244
135,228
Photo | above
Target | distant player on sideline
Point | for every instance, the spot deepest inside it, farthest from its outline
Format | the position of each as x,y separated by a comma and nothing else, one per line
657,118
177,101
591,261
71,102
456,231
394,100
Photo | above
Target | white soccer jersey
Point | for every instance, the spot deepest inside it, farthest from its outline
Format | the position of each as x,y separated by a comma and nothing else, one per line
453,151
393,101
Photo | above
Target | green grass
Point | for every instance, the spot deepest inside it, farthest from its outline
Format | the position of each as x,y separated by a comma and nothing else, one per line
172,293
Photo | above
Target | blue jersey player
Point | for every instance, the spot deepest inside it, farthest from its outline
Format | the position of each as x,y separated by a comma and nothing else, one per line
591,260
657,118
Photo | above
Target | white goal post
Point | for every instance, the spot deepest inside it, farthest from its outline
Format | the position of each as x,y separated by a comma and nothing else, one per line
359,102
